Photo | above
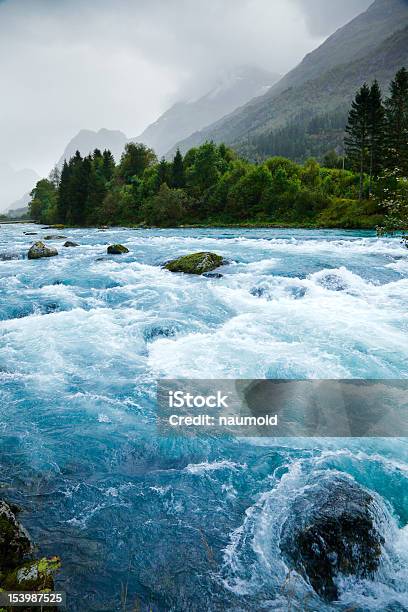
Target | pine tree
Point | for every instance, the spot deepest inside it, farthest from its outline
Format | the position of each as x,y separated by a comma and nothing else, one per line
376,132
162,173
178,179
397,124
63,193
357,130
108,167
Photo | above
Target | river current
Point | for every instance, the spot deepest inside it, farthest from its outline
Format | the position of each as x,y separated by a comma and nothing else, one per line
144,522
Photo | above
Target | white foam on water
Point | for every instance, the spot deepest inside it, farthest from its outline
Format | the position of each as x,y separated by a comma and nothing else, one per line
201,468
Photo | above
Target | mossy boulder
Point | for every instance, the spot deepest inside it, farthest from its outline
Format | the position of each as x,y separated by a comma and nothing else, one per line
117,249
69,243
39,250
17,571
34,575
14,540
333,530
196,263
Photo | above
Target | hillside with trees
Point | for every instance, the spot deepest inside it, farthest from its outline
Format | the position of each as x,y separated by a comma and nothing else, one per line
304,114
212,185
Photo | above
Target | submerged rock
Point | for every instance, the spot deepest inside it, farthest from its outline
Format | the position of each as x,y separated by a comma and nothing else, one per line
30,233
68,243
55,237
14,540
332,530
9,256
213,275
39,250
117,249
59,226
196,263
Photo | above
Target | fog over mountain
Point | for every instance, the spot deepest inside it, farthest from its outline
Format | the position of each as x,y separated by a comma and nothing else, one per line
304,114
72,66
14,183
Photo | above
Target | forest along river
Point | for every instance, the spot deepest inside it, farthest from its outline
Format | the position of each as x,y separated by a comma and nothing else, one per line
191,524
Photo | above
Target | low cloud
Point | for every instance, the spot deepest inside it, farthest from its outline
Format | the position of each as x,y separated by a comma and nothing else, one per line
119,64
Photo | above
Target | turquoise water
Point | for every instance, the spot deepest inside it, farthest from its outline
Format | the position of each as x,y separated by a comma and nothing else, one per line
191,525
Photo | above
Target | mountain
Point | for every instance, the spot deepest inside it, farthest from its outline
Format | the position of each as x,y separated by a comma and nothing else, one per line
20,206
231,90
87,141
305,112
14,183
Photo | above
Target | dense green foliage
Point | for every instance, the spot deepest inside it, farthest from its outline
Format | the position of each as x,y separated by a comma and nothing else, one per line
377,131
210,185
377,144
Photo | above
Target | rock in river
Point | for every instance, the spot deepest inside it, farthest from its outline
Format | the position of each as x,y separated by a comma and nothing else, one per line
55,237
39,250
17,572
117,249
333,529
68,243
196,263
14,540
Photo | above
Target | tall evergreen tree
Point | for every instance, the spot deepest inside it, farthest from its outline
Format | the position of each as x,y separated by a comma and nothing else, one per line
162,173
108,167
397,124
63,193
376,132
357,134
178,178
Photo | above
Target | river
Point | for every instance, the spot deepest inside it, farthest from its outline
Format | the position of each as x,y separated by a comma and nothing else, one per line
190,524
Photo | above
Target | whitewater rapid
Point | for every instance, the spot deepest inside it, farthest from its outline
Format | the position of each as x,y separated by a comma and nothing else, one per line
191,524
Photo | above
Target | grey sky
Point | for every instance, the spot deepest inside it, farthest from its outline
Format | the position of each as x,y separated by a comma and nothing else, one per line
72,64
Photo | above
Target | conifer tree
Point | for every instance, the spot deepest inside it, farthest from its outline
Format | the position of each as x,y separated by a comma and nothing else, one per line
178,179
376,132
63,193
397,124
162,173
357,134
108,167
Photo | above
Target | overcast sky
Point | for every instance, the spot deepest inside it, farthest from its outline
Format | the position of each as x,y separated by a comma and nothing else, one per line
72,64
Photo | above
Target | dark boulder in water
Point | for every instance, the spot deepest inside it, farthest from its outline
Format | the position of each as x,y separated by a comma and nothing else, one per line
17,572
68,243
14,540
55,237
213,275
333,530
196,263
30,233
39,250
117,249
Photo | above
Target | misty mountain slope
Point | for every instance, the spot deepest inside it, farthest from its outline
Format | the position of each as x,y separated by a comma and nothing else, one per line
354,40
87,141
14,183
232,90
324,82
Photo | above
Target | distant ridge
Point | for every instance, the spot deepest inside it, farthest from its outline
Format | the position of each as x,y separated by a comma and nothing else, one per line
232,89
87,141
308,106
